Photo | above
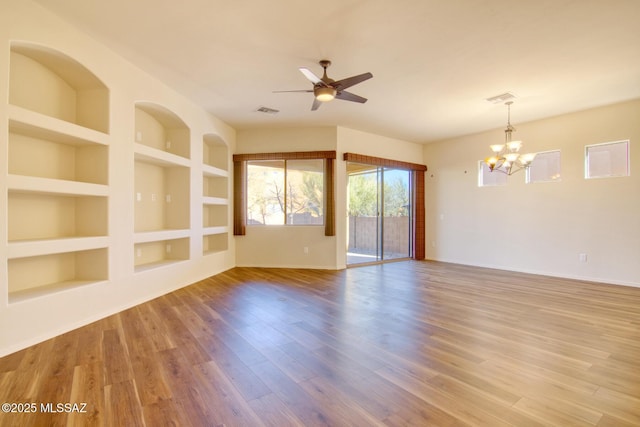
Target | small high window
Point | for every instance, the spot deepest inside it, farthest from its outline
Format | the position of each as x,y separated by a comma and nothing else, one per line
486,178
544,168
606,160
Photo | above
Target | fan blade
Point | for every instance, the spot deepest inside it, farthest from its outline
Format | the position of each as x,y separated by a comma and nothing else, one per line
350,81
316,104
287,91
348,96
310,76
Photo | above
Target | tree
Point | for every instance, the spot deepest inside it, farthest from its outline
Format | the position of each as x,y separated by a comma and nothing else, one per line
363,195
396,197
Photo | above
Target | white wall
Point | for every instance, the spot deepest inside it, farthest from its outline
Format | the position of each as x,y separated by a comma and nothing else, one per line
540,228
26,322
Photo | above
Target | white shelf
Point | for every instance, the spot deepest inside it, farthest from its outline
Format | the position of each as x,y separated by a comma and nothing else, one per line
154,236
157,264
214,171
208,231
29,248
37,185
144,153
49,289
214,201
22,120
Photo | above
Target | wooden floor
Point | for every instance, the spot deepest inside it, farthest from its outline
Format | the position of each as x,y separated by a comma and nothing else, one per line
410,343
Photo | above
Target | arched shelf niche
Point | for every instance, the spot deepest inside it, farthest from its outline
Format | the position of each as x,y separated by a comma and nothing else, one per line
160,128
49,82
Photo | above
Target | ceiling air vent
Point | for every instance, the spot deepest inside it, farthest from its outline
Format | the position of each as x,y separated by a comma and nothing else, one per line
502,98
267,110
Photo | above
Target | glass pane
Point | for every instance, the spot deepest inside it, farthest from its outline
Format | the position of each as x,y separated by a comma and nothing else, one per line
486,178
362,211
305,189
397,214
608,160
545,167
265,192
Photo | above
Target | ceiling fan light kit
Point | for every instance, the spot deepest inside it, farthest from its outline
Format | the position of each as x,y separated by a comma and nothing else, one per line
326,89
324,93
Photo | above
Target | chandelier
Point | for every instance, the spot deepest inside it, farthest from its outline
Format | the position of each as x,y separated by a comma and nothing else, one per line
506,157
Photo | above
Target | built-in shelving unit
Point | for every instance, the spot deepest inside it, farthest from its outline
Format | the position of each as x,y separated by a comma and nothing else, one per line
57,187
162,187
101,181
215,205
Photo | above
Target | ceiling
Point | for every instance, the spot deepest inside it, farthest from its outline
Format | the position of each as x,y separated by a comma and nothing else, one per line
434,62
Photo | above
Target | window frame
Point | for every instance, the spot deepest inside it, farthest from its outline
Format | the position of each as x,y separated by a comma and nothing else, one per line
627,142
240,188
499,178
528,179
285,192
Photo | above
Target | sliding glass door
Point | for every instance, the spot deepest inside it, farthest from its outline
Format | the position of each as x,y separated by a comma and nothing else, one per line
379,225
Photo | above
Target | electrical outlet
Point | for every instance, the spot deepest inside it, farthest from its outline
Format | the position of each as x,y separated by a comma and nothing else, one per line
306,250
168,198
168,247
583,257
138,252
138,136
168,145
153,197
139,197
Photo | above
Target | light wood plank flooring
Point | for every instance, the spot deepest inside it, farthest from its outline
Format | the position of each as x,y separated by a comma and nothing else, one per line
403,344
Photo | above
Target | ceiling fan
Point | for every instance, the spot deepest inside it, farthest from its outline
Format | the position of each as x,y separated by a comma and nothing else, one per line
326,89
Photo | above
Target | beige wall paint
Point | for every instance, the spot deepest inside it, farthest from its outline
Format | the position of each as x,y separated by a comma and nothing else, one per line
540,228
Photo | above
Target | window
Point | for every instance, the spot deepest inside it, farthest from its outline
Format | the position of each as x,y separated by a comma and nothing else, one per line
285,192
607,160
544,168
486,178
286,188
